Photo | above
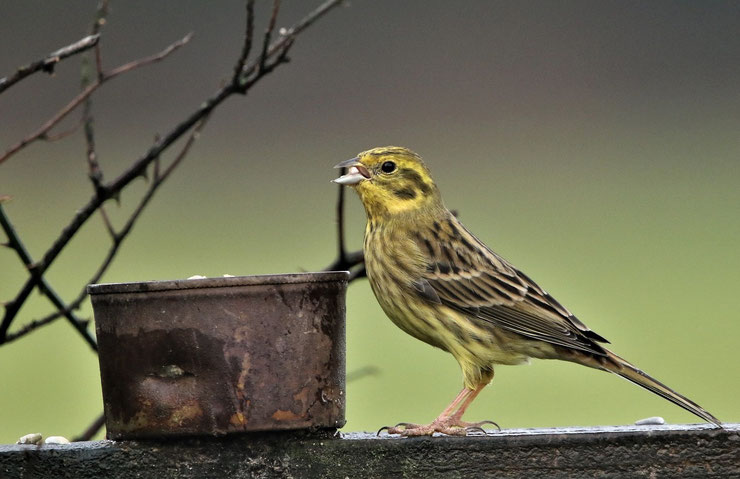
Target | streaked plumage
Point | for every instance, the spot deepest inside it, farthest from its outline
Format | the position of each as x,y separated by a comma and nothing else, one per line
436,281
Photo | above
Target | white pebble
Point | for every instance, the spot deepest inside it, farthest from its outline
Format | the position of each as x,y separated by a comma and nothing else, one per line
33,438
197,276
650,421
56,440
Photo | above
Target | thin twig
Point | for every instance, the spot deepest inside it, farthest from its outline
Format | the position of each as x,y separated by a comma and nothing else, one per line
268,33
288,35
101,14
33,325
359,273
85,93
150,59
64,134
153,186
47,64
92,429
342,253
346,261
94,172
16,245
247,44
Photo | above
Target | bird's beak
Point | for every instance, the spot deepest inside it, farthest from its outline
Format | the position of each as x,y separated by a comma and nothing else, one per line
356,173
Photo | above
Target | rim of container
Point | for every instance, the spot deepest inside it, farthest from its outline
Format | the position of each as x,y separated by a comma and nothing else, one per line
219,282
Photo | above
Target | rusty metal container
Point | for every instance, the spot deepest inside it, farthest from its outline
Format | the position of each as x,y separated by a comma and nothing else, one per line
216,356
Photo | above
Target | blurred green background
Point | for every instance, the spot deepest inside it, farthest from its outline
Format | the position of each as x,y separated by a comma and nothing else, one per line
593,144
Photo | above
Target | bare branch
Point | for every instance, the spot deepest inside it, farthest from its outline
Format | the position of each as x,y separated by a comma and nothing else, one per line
94,173
31,326
287,36
351,260
247,45
65,133
342,253
42,132
15,243
150,59
304,23
153,186
360,272
346,261
106,221
116,243
47,64
268,33
96,426
101,13
194,136
139,167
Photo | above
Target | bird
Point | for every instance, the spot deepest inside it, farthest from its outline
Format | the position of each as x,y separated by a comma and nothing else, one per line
440,284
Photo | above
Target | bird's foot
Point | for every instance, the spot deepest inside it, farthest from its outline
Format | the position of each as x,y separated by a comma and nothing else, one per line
449,426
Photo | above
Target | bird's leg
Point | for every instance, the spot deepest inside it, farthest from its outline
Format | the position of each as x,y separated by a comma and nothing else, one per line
466,400
461,398
456,417
449,421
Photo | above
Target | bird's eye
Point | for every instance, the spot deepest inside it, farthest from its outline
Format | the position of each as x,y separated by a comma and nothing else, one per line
388,167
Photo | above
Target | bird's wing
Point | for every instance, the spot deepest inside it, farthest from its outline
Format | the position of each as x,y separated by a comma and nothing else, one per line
464,274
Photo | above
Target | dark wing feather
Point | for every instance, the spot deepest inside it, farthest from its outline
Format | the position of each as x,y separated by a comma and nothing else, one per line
464,274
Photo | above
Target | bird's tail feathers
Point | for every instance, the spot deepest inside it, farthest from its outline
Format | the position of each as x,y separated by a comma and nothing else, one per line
613,363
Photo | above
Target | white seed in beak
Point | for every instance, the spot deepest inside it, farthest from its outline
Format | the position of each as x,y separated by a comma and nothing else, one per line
352,177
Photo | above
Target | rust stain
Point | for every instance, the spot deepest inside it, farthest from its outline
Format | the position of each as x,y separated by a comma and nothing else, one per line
140,421
302,396
242,403
187,412
241,381
238,419
281,415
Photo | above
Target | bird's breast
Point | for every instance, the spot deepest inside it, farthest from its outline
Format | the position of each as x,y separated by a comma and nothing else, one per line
392,264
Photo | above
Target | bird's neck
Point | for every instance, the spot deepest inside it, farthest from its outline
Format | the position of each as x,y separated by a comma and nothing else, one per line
384,206
402,218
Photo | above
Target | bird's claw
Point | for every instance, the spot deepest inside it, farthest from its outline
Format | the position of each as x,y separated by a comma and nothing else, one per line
487,421
384,428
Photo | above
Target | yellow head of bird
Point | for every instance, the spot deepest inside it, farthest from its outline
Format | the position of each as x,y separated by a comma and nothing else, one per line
390,180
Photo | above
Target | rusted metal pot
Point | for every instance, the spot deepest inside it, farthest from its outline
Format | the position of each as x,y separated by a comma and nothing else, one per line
222,355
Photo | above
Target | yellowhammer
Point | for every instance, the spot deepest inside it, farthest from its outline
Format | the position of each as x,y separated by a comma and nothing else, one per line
440,284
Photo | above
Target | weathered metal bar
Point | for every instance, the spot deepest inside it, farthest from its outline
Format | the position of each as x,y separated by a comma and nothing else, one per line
607,452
